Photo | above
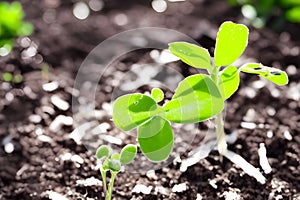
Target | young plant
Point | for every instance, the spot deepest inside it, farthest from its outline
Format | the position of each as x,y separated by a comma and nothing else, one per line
112,162
12,25
197,98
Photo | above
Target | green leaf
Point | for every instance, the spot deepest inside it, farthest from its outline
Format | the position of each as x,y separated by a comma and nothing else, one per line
114,165
196,99
105,165
115,156
156,139
129,111
102,152
293,14
229,81
272,74
7,77
128,153
191,54
231,42
157,94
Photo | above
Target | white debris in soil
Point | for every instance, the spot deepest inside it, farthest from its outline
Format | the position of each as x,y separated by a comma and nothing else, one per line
35,119
250,115
161,190
199,196
78,133
213,183
102,128
291,70
231,195
287,135
179,187
248,125
159,5
112,139
163,57
89,182
263,160
81,10
244,165
140,188
44,138
59,122
59,103
270,111
50,87
56,196
270,134
279,187
107,107
9,147
151,175
259,84
74,158
294,91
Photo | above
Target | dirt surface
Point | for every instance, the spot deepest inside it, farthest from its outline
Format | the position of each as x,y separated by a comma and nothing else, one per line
39,159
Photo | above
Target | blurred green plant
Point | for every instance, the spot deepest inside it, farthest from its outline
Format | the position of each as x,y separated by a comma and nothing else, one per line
12,26
113,162
11,78
258,12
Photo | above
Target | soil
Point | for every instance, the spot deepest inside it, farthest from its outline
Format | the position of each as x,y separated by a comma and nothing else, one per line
41,161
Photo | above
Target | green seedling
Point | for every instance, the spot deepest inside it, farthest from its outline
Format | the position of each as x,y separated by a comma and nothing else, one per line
113,162
197,98
12,25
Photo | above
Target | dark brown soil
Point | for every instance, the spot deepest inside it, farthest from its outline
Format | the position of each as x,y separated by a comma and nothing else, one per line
44,160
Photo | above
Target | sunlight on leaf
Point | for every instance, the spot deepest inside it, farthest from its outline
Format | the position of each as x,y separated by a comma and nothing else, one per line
157,94
156,139
102,152
231,42
272,74
229,81
129,111
191,54
196,99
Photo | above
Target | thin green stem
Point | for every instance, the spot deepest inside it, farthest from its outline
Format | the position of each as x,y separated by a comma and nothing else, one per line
222,145
111,185
103,174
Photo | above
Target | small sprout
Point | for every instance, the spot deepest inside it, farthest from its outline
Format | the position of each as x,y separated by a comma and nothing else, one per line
113,164
157,94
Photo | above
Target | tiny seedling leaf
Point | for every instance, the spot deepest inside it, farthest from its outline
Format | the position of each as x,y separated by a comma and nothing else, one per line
129,111
191,54
115,156
105,165
157,94
102,152
196,99
231,42
128,153
114,165
156,139
272,74
229,81
293,14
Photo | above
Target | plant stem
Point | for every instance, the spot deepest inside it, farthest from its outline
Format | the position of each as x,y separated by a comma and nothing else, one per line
111,185
222,145
103,174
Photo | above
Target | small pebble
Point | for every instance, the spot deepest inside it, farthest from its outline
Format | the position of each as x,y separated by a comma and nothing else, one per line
92,181
179,187
59,122
50,87
287,135
140,188
248,125
44,138
60,103
35,119
151,175
270,134
56,196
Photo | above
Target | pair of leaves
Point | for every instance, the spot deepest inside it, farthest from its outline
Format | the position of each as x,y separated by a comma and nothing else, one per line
231,42
114,161
155,134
